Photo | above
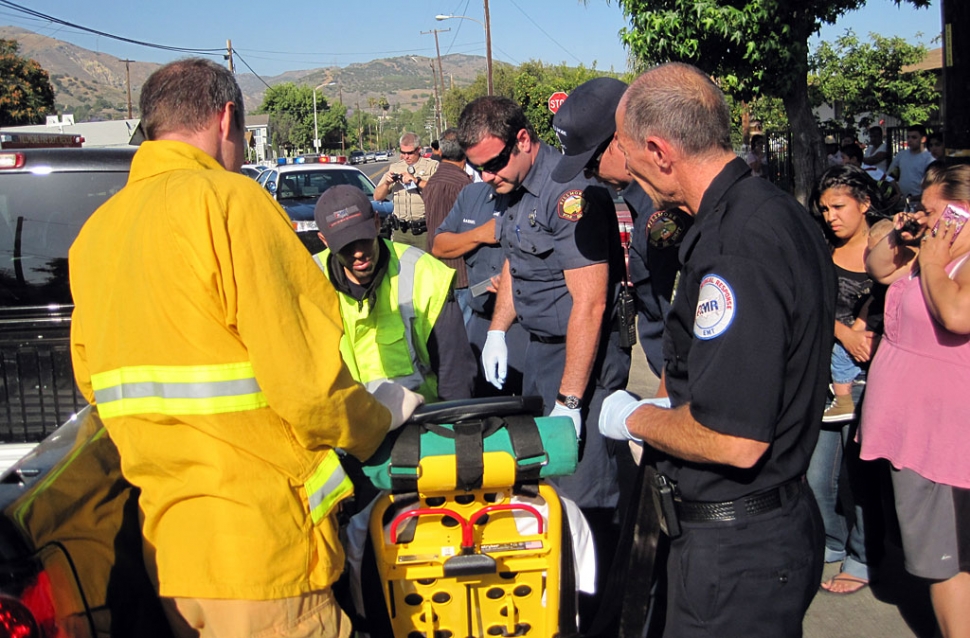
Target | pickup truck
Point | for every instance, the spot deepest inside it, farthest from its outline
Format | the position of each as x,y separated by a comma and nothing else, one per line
69,532
46,195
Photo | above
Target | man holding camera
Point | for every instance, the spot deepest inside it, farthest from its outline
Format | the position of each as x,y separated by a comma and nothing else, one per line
404,181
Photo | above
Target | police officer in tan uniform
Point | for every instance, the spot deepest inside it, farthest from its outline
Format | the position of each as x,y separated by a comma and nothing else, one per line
404,181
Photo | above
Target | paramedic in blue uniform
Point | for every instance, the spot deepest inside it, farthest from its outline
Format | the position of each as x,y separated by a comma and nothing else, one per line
469,232
746,356
559,281
589,144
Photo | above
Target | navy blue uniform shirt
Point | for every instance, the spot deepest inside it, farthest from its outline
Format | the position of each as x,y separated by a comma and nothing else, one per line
654,264
546,231
474,207
749,335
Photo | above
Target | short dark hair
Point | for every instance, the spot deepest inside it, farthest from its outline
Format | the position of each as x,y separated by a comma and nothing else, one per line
450,148
492,115
918,128
185,95
853,151
681,104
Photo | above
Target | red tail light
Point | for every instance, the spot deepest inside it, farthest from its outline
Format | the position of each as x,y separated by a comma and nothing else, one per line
33,615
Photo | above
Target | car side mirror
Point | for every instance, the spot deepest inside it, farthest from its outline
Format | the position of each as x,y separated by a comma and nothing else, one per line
271,187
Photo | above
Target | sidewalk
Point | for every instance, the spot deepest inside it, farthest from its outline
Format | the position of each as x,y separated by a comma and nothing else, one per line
896,605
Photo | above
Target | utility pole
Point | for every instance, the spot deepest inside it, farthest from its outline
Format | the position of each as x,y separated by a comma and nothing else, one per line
488,48
128,84
360,129
441,76
232,68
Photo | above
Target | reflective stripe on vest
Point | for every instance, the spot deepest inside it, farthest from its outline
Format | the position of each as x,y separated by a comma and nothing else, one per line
407,264
328,486
177,390
405,304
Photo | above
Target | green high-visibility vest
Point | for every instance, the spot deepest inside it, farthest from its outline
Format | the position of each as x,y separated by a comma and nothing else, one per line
389,342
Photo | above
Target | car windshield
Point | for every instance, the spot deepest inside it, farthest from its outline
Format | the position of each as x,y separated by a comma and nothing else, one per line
311,184
40,216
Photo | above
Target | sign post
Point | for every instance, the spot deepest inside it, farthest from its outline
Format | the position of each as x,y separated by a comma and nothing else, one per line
556,100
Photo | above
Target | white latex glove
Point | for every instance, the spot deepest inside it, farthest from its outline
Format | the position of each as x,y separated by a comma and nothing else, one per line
617,408
561,410
495,358
400,401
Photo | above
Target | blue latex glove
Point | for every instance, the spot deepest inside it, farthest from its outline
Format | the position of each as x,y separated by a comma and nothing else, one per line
561,410
617,408
495,358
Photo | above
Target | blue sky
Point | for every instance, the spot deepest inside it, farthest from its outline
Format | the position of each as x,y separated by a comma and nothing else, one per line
272,36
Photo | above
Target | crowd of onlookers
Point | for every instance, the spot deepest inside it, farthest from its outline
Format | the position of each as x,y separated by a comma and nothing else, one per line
899,364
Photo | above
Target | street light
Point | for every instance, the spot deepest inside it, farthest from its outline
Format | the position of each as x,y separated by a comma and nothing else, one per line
488,41
316,136
340,94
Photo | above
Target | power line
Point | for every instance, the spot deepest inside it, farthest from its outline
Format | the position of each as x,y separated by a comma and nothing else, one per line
258,77
48,18
536,25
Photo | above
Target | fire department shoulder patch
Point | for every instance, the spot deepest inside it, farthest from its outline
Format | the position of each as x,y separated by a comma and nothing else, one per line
572,204
664,229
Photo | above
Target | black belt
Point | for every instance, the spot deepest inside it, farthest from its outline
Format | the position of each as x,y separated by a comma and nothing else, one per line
700,511
541,339
414,227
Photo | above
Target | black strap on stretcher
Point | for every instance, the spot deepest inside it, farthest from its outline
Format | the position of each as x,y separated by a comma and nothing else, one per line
530,456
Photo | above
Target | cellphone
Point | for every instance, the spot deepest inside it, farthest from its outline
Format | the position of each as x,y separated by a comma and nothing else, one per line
955,217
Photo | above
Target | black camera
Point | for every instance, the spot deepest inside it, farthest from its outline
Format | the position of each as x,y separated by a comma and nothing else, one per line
396,177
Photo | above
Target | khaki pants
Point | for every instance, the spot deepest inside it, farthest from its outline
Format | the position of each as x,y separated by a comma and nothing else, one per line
313,615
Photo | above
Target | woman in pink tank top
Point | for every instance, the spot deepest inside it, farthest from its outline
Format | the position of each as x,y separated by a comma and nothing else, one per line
915,414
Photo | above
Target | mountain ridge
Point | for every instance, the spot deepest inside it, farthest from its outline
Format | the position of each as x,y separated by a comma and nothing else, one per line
94,85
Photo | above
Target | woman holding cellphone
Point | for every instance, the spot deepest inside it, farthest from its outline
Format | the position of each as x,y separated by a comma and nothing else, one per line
915,414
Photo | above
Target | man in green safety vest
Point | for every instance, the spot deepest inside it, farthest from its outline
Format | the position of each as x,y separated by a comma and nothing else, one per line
401,321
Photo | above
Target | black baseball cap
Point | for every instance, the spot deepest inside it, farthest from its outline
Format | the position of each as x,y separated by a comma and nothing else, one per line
344,215
584,121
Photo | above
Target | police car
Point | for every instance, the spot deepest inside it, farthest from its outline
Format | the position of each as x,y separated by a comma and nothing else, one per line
297,187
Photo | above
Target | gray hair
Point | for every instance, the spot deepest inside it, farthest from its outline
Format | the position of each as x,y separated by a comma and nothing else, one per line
185,95
410,139
679,103
449,146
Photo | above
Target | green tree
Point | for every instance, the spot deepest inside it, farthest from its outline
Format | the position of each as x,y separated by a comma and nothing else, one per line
752,47
290,107
26,95
868,79
530,85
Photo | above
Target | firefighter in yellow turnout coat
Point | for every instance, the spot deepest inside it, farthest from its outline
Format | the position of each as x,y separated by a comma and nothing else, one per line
208,340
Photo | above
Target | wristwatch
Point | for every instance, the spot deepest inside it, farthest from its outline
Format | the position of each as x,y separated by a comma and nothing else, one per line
571,402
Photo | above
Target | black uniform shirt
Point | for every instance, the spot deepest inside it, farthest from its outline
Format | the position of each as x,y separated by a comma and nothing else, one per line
653,266
749,335
547,228
475,207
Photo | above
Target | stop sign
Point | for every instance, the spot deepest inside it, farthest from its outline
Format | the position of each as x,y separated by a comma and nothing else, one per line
556,100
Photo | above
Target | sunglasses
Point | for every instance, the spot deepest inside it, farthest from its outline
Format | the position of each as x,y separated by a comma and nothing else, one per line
501,160
411,152
593,166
